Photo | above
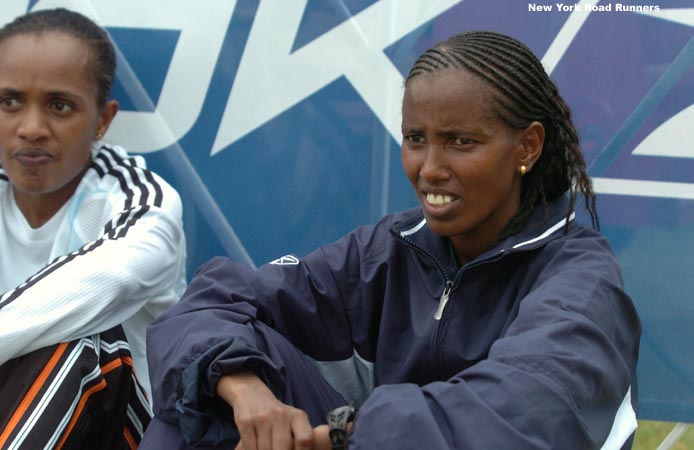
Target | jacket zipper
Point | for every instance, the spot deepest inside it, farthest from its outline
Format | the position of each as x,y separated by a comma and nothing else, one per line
435,359
448,283
444,299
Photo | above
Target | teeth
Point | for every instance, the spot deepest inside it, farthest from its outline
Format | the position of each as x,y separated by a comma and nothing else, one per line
438,199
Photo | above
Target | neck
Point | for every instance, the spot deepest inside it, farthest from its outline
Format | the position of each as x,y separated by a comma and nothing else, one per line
465,250
38,213
39,208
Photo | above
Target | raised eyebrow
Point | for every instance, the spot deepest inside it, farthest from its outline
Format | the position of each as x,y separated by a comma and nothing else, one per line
10,91
411,130
51,94
457,133
451,133
64,94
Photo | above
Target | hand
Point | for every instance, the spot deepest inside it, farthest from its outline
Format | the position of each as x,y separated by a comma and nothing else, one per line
321,439
264,422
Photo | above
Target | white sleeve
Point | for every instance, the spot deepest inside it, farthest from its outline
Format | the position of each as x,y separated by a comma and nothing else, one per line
136,260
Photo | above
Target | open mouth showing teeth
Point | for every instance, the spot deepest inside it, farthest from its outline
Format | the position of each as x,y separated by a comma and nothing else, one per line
438,199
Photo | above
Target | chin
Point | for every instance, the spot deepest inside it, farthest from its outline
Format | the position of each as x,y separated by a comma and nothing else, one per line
440,227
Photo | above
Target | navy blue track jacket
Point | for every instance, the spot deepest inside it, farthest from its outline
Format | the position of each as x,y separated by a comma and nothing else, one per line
533,345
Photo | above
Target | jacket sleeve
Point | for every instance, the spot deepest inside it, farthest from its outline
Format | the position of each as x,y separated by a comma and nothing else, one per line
561,376
136,262
212,330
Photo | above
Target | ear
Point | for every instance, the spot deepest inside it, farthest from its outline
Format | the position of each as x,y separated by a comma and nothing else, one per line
106,115
532,141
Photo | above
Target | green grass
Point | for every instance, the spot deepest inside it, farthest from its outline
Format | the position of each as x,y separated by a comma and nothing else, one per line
650,434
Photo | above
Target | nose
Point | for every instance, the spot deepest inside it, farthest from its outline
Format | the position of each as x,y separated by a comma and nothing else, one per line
435,164
33,125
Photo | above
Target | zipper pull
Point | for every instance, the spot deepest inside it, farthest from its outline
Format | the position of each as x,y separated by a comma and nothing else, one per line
443,300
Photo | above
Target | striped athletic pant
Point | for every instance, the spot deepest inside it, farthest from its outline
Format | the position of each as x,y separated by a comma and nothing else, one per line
81,394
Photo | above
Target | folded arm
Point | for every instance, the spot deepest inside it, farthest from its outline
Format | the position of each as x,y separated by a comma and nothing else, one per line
95,287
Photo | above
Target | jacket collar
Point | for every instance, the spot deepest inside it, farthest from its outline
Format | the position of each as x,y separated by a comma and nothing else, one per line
543,225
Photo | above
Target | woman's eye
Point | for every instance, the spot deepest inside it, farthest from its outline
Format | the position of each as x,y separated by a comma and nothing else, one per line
61,107
9,103
415,138
461,141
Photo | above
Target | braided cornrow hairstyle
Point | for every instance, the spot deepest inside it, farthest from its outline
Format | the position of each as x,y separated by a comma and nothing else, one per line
524,94
76,25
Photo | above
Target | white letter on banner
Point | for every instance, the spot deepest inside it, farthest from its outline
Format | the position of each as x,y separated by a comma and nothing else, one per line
673,138
271,79
202,26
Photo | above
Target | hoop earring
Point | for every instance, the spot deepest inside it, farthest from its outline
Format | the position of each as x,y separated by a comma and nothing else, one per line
523,170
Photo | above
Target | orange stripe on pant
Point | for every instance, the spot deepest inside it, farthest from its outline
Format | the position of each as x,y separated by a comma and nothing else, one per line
33,391
129,439
89,392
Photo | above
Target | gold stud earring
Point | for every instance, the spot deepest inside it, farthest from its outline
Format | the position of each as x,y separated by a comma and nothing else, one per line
523,170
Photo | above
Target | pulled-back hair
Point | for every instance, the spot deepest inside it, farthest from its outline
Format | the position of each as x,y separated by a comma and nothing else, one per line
523,94
75,25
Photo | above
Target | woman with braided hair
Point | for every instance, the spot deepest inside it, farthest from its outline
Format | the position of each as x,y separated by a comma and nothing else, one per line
487,318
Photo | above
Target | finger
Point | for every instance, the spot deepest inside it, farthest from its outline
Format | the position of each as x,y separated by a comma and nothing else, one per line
321,438
248,437
281,431
302,431
239,446
264,435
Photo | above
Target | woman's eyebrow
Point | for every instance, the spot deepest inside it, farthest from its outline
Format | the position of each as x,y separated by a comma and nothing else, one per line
457,131
9,91
68,94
